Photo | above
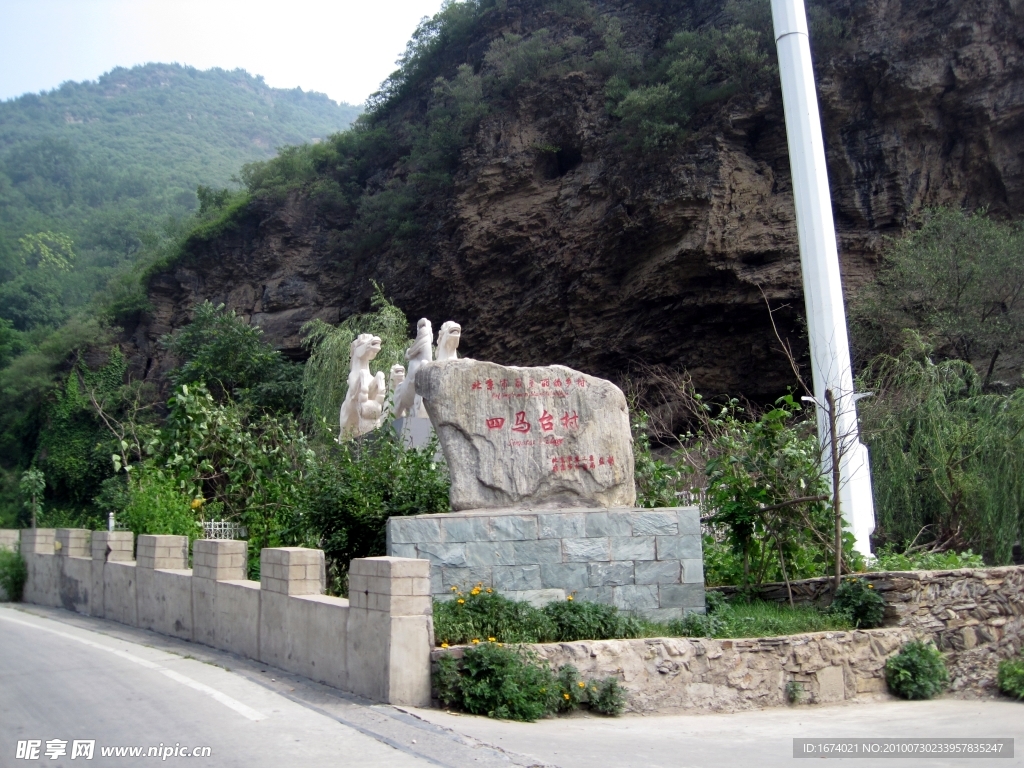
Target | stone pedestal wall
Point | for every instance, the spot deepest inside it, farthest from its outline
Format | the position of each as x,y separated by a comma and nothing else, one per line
643,560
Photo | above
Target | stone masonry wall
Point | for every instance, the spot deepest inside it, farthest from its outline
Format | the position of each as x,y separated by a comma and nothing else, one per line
643,560
974,615
679,673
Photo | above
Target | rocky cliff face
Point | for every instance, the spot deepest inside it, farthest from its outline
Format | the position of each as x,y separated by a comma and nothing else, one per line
610,261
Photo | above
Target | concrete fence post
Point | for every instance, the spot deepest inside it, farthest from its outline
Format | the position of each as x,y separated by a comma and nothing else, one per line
37,541
390,629
72,542
37,551
164,585
162,552
225,606
107,547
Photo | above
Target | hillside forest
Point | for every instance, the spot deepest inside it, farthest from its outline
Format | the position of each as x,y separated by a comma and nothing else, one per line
235,430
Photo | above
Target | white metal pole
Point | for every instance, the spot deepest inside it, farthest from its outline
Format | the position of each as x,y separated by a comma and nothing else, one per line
819,260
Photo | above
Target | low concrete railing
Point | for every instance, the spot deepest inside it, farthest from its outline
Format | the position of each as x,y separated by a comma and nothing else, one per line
378,645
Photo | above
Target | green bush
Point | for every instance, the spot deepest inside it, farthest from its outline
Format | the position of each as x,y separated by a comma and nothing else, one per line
1011,677
498,682
917,671
12,574
858,600
513,684
584,620
480,614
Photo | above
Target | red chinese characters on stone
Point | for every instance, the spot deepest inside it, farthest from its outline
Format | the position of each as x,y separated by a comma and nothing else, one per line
569,463
547,422
476,385
570,421
521,425
495,423
490,384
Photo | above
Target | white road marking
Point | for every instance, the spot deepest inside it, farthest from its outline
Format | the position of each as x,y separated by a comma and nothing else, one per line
223,698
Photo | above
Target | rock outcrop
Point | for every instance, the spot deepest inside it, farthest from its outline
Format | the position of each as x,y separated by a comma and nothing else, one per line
557,244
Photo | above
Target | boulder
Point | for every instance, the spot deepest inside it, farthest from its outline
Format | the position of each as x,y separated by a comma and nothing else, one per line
543,436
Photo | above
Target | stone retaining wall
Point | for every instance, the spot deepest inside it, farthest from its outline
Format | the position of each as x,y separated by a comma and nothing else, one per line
377,646
974,615
669,674
643,560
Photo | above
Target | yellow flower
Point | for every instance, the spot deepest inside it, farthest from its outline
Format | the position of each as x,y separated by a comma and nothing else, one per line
455,589
476,591
444,645
871,586
489,590
476,640
500,645
565,696
569,597
197,503
460,601
581,684
491,639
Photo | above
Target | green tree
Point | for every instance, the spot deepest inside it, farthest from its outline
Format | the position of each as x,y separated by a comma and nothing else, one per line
958,281
947,459
33,486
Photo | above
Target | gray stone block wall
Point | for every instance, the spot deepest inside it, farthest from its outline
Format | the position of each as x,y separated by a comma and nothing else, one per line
648,561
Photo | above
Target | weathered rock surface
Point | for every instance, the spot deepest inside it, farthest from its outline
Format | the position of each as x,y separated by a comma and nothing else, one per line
529,436
600,259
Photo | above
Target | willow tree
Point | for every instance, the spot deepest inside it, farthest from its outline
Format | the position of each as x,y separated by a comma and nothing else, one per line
325,378
947,458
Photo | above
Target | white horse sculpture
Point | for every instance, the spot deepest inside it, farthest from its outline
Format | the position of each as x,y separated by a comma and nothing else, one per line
364,402
448,341
407,402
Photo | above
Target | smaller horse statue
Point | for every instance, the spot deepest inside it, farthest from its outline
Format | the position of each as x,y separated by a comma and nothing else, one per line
364,402
407,402
448,341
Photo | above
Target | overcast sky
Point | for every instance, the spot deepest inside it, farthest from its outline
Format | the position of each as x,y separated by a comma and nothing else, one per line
343,48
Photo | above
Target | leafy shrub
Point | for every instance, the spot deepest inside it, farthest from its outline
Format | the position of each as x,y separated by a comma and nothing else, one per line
606,697
583,620
351,489
1011,677
858,600
887,559
12,574
918,671
513,684
499,682
480,613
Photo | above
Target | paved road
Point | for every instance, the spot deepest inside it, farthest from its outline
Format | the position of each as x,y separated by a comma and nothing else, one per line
68,677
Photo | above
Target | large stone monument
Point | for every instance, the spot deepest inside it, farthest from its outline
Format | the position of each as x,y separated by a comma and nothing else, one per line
546,436
541,464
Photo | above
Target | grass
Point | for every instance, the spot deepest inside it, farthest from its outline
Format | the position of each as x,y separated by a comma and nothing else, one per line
482,615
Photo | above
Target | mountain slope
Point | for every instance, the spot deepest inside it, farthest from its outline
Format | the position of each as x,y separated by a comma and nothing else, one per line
606,184
107,163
